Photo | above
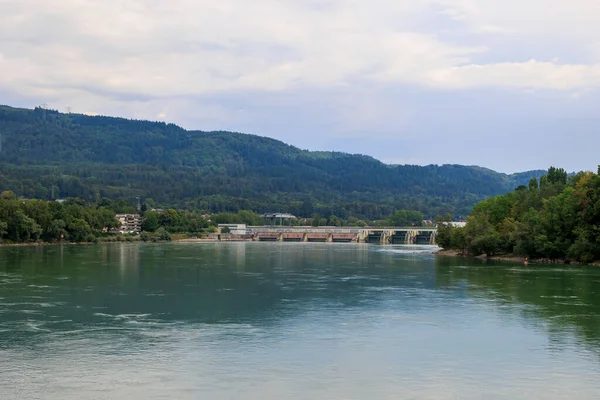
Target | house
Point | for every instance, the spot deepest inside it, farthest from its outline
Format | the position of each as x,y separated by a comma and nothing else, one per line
130,223
236,229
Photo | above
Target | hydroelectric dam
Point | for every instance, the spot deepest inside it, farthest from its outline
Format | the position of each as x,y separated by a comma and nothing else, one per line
411,235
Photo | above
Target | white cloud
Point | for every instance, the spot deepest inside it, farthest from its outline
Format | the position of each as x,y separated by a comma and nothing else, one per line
400,78
186,59
531,74
167,48
553,18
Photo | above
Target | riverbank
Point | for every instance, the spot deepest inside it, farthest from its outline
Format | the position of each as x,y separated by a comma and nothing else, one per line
456,253
43,244
511,258
125,240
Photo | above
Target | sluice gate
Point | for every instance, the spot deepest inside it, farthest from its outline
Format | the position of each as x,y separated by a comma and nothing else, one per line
268,237
375,237
424,237
317,237
420,236
400,237
293,237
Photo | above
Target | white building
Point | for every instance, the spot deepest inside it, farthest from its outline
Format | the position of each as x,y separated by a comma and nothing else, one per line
130,223
236,229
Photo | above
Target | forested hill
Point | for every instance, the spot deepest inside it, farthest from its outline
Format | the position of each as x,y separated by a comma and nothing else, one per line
47,154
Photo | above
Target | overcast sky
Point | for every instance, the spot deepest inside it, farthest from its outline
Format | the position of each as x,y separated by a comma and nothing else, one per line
506,84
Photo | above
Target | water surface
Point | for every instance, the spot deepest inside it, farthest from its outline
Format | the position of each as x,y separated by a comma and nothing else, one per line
297,321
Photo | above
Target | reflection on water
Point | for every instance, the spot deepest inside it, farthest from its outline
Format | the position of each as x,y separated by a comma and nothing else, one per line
285,320
561,299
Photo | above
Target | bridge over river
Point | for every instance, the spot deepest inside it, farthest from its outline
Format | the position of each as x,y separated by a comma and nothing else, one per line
393,235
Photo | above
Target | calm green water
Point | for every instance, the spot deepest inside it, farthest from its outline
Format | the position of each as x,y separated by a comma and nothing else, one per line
292,321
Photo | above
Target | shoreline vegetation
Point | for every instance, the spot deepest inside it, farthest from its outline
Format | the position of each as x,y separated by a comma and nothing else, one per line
456,253
511,258
51,155
553,220
75,220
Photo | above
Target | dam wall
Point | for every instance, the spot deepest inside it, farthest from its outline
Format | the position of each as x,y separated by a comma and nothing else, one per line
392,235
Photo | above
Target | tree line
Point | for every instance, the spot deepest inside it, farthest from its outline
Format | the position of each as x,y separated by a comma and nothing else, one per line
76,220
32,220
556,217
49,155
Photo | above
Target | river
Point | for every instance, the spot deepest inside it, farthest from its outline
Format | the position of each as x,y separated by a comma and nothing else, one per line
292,321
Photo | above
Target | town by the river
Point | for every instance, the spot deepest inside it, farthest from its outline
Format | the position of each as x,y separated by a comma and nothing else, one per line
283,320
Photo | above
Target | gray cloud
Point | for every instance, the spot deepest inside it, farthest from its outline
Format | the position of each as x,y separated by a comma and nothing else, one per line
420,81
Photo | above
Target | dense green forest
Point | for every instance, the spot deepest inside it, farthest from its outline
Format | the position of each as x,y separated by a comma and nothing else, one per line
47,155
555,218
51,221
76,220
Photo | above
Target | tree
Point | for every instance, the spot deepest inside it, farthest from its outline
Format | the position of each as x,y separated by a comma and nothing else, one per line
8,195
161,235
78,230
91,158
144,237
316,220
57,230
21,228
533,185
559,222
3,229
306,209
249,218
150,223
444,231
406,218
334,221
557,176
106,219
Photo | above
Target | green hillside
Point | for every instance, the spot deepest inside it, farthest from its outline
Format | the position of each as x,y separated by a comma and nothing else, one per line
46,154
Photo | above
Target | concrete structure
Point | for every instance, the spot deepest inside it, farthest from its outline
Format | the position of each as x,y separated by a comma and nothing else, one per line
130,223
273,217
420,235
234,229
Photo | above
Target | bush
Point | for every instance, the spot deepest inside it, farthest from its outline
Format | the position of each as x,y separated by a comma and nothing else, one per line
145,236
161,235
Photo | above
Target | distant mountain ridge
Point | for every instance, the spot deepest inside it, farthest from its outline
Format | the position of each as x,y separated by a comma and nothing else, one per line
46,153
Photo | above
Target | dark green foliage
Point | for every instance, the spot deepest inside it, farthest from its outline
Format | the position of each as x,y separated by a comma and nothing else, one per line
100,158
56,230
32,220
150,222
557,176
316,220
406,218
533,185
78,229
561,220
241,217
174,221
161,235
145,236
